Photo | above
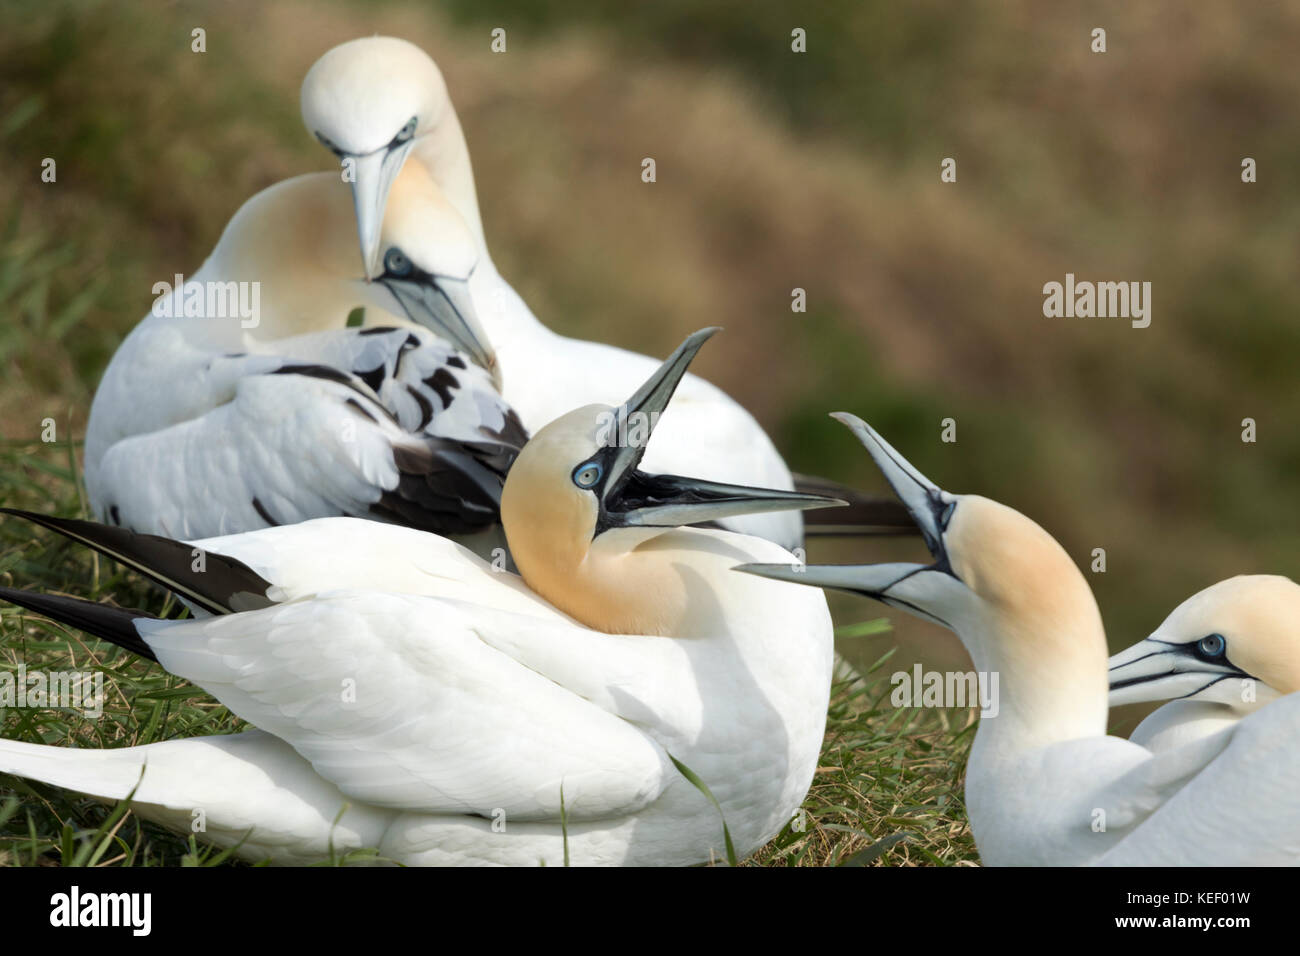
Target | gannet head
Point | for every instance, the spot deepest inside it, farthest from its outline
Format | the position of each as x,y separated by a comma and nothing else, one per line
1235,643
428,257
367,101
1005,585
577,482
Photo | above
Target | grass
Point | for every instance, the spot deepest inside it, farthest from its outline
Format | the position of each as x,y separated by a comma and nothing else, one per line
887,790
817,171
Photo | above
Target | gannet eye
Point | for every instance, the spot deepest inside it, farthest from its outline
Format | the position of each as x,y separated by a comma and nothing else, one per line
585,476
329,144
396,263
406,132
1213,646
946,516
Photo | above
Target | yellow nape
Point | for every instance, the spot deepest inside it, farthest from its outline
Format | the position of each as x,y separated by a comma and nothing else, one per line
1257,615
422,222
626,581
1043,628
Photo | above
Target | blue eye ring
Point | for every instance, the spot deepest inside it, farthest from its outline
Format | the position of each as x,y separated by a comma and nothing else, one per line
588,474
406,132
946,516
396,263
1212,646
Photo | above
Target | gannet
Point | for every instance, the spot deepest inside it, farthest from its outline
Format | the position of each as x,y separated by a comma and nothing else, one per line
460,728
1223,653
380,104
1044,784
209,424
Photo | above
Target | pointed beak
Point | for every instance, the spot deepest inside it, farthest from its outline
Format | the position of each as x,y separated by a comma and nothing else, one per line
632,498
928,504
670,501
904,585
1158,670
445,307
373,175
868,580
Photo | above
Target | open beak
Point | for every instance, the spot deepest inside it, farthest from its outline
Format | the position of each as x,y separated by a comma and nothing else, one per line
445,307
904,585
630,497
373,178
1160,670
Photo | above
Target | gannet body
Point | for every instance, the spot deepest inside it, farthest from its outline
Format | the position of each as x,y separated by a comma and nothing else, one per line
1044,784
380,104
475,717
1223,653
208,424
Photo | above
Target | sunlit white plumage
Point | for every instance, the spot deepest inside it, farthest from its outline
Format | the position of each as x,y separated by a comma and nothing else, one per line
1044,784
202,425
1222,654
436,697
380,103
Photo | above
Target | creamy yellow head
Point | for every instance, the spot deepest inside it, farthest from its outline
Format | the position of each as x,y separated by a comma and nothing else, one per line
551,526
1025,580
549,520
297,241
374,103
603,540
1015,598
1258,617
359,97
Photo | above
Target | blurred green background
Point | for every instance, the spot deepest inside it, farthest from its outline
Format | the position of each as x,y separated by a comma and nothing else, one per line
775,170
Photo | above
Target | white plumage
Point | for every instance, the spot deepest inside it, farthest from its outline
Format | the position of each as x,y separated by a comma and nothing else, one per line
381,104
1044,784
453,708
211,423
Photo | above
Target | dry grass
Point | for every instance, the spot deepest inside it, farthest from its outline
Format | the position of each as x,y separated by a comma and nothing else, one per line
774,172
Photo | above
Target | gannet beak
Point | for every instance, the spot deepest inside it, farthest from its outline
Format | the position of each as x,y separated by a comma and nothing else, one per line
913,587
671,501
373,175
444,306
631,498
929,505
1161,670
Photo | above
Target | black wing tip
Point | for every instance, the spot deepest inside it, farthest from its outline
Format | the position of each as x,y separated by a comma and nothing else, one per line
113,624
168,563
864,515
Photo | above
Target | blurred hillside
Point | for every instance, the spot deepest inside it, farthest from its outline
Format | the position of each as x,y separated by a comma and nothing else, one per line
775,171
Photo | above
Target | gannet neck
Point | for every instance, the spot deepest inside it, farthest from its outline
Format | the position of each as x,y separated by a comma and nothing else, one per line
604,542
423,222
1034,623
446,154
516,333
604,581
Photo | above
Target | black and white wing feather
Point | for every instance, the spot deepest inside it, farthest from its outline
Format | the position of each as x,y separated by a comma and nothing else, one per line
388,423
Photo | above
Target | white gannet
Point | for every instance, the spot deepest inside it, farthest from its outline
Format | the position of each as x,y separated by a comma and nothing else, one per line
203,426
1044,784
458,729
379,104
1223,653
